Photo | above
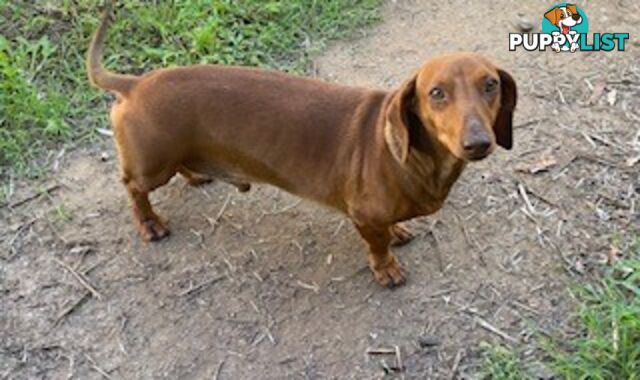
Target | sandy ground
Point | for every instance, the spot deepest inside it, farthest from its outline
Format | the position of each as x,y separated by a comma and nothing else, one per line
262,285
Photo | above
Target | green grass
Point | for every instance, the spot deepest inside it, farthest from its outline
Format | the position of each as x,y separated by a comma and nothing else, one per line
608,343
609,317
501,363
45,99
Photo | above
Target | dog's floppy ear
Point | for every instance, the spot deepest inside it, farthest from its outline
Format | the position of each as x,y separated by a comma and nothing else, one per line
572,8
503,127
553,16
396,129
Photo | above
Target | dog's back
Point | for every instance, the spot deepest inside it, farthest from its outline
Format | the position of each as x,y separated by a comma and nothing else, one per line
253,125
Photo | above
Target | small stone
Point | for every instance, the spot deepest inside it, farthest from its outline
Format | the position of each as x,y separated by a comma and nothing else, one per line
104,156
525,25
428,341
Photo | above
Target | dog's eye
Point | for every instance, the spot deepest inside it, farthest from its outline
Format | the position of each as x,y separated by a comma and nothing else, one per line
490,85
437,94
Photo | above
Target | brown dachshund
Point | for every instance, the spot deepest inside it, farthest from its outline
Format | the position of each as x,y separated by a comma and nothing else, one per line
379,157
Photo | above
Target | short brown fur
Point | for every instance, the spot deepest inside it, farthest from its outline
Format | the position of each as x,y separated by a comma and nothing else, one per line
379,157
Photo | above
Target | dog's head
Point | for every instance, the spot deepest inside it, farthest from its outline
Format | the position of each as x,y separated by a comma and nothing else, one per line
564,17
462,99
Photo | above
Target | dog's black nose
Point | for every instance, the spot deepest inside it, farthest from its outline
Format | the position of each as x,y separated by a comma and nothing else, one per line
476,140
575,17
477,145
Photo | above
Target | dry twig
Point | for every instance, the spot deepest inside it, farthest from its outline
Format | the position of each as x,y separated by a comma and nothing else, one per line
399,363
67,311
282,210
218,370
381,351
432,230
34,196
80,278
456,364
201,286
12,250
489,327
313,287
216,221
97,368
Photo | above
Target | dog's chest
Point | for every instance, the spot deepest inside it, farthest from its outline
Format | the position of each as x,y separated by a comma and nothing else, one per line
430,188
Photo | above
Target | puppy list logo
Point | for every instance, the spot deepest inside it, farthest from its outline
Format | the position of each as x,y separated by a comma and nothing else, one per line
565,28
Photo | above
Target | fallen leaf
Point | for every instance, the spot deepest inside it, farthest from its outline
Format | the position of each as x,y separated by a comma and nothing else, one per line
597,92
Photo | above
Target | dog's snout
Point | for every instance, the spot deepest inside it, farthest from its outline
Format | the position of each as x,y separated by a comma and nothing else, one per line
575,17
477,144
476,140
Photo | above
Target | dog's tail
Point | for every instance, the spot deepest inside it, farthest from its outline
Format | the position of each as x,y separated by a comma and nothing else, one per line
98,75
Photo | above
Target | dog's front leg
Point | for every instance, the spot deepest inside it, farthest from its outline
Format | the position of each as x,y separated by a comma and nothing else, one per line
384,265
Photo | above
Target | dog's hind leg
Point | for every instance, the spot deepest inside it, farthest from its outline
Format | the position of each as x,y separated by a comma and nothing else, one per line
400,234
242,187
150,226
147,161
194,178
241,184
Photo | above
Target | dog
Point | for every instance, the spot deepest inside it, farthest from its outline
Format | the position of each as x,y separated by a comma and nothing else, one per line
564,18
378,157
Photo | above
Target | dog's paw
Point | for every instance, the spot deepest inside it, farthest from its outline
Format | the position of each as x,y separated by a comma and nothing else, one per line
400,235
389,275
152,230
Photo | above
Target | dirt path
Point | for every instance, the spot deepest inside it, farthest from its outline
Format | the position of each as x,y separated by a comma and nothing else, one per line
263,286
